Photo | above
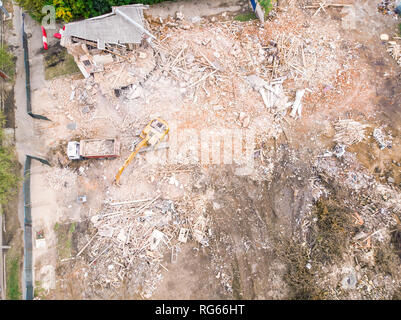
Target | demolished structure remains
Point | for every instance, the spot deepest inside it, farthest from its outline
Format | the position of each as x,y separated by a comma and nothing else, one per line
277,175
116,33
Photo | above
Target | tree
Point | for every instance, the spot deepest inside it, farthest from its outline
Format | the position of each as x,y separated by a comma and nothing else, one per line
68,10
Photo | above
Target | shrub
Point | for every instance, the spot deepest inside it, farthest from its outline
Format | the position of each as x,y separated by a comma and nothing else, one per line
331,235
7,62
9,179
68,10
267,5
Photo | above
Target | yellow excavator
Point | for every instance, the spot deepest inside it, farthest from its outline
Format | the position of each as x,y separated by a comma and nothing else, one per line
151,136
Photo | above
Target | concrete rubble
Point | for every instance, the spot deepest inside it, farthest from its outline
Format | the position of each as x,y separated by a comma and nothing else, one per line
130,239
201,73
349,132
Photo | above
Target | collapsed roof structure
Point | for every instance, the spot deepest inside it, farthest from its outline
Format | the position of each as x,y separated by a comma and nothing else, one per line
116,32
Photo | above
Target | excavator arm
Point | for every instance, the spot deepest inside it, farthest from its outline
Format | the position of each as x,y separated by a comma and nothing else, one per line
130,158
153,133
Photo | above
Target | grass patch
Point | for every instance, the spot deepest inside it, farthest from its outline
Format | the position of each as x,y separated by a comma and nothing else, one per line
267,5
396,241
9,179
13,277
236,284
399,29
64,239
330,236
299,278
245,17
397,294
388,256
328,239
387,261
38,291
59,63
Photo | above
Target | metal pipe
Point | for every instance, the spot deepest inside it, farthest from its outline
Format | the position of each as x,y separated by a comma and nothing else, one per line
122,14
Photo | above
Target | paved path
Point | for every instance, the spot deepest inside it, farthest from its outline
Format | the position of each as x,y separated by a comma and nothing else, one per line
27,139
2,271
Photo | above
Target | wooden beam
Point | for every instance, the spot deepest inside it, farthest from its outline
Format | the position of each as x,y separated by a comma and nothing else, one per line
4,75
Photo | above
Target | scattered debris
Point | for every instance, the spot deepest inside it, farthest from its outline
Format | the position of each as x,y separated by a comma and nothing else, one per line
81,199
297,106
133,236
384,37
349,132
381,139
394,48
201,73
183,236
199,230
349,282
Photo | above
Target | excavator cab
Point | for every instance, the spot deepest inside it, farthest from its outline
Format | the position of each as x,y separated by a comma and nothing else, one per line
152,135
155,131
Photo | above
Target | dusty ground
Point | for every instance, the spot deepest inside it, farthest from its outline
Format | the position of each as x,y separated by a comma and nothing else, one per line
254,218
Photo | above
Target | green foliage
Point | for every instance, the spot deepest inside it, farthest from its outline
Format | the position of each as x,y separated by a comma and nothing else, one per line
9,179
7,63
65,233
267,5
245,17
58,62
38,291
13,280
68,10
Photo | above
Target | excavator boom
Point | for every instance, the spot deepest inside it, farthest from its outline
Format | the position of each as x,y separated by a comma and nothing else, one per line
153,133
130,158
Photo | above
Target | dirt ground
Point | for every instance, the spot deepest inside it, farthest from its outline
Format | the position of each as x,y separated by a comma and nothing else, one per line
266,222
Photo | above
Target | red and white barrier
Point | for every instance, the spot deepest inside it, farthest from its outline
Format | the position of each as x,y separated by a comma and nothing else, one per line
58,35
45,46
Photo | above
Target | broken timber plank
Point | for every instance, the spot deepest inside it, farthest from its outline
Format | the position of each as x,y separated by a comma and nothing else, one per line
334,5
83,249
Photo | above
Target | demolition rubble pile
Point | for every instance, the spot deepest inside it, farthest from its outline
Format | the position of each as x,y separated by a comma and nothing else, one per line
394,48
131,239
386,7
383,140
377,204
206,66
100,147
349,132
60,178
